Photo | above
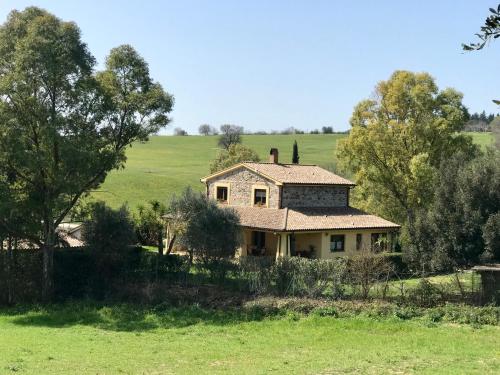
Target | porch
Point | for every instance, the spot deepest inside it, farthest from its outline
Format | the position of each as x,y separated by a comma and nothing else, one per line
320,245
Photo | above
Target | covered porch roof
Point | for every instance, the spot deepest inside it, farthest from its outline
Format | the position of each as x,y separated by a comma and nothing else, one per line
310,219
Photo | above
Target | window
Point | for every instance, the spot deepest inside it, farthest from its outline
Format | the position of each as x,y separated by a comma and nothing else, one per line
337,242
222,194
359,241
260,197
259,239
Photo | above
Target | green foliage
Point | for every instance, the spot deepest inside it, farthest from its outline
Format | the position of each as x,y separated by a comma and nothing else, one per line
234,154
150,224
294,276
63,126
108,230
425,294
495,129
398,140
295,155
209,232
491,235
230,135
453,231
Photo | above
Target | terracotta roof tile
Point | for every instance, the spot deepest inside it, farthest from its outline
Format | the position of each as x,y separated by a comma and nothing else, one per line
308,219
263,218
298,173
334,218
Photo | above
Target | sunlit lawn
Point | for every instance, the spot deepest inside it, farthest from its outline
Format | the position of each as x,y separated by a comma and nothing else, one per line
87,339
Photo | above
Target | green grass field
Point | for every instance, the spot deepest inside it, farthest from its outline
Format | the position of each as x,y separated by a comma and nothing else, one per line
167,164
88,339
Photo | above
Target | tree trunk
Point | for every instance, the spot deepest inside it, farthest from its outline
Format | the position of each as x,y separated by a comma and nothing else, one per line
160,245
48,263
171,244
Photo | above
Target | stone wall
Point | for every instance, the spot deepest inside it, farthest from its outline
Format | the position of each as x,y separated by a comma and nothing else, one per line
240,183
314,196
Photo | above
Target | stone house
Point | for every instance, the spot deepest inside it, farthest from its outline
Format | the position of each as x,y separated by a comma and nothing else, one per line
296,210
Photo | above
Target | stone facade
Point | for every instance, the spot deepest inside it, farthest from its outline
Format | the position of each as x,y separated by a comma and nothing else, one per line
241,182
314,196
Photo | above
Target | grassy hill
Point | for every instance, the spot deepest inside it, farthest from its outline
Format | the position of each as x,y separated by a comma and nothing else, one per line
166,164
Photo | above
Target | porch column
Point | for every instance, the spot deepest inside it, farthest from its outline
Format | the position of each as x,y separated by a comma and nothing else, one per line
282,250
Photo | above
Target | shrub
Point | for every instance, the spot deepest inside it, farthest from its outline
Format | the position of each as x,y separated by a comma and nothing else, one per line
365,269
424,294
210,232
108,234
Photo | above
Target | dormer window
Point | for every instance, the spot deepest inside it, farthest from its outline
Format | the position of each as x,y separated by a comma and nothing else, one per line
260,197
222,193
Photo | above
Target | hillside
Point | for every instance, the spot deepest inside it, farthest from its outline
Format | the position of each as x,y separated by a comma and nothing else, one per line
166,164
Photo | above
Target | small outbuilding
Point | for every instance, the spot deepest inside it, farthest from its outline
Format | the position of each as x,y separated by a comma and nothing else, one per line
490,281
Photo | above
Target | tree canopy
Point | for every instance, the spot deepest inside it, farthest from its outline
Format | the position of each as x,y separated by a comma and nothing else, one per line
230,134
397,142
236,153
63,126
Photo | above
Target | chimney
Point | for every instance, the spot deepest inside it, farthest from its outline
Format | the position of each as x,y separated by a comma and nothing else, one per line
273,156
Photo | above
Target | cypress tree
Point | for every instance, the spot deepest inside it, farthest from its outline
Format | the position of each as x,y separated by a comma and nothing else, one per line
295,157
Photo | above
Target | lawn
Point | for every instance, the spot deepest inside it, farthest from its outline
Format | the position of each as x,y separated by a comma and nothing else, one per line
166,164
85,338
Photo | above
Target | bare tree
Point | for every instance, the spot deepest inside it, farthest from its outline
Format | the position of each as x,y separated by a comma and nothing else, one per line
230,134
204,129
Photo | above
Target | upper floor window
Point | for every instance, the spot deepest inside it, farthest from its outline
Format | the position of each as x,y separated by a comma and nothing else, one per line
260,197
222,194
337,242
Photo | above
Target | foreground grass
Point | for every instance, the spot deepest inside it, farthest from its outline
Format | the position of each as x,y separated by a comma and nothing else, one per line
85,338
166,164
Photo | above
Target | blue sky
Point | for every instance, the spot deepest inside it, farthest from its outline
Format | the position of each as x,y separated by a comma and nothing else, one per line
273,64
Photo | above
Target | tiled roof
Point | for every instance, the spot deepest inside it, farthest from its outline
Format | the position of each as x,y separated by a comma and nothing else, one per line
334,218
265,218
291,173
310,219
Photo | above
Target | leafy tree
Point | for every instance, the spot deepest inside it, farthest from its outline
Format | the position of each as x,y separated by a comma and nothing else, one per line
206,129
491,236
495,129
150,224
398,140
295,156
181,211
327,129
108,230
108,233
211,233
230,134
63,126
458,225
236,153
180,132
